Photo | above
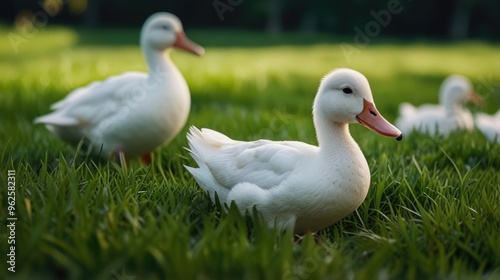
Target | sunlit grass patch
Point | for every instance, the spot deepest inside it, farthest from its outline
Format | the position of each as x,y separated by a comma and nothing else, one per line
431,212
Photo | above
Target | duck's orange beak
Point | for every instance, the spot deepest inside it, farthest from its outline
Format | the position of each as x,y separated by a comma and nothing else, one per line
372,119
184,43
475,98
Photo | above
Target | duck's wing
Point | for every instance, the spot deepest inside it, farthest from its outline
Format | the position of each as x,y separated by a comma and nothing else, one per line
76,94
91,104
262,163
424,118
407,110
488,125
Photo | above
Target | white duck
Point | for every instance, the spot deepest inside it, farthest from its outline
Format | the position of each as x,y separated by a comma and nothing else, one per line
294,184
448,116
489,125
133,113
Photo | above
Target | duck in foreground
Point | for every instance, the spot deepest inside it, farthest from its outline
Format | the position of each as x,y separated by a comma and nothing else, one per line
133,113
489,125
293,184
450,115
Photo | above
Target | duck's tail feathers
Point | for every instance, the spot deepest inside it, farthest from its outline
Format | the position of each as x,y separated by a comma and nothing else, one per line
75,94
205,142
56,119
210,137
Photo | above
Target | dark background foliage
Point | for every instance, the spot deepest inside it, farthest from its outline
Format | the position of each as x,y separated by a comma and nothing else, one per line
450,19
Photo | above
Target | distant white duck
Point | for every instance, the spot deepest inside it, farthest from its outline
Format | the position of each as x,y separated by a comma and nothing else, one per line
448,116
294,184
489,125
133,113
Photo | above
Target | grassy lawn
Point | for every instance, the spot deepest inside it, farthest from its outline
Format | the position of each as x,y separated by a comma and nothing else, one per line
432,210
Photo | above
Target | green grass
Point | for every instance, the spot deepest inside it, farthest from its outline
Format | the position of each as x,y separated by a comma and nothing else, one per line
432,210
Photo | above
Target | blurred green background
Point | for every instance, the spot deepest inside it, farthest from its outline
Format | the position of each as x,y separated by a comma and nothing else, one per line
417,43
432,210
452,19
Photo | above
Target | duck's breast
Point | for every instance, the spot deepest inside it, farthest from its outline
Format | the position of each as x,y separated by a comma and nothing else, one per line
331,191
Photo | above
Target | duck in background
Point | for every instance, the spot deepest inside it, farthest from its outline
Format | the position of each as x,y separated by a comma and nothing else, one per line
134,113
294,185
450,115
489,125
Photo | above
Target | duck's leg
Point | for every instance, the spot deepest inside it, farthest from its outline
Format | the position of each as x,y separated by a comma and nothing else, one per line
146,158
118,156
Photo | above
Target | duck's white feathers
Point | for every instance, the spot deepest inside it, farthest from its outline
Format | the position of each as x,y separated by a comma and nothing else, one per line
263,162
252,174
133,113
443,118
489,125
294,184
117,113
84,106
433,119
285,180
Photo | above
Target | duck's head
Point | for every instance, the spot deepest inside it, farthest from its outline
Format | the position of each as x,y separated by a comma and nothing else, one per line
457,90
164,30
344,96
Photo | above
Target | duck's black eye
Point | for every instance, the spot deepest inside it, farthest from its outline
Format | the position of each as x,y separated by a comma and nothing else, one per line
165,27
347,90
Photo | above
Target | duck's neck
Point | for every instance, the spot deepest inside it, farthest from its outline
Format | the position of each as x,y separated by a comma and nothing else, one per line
334,138
452,109
158,61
